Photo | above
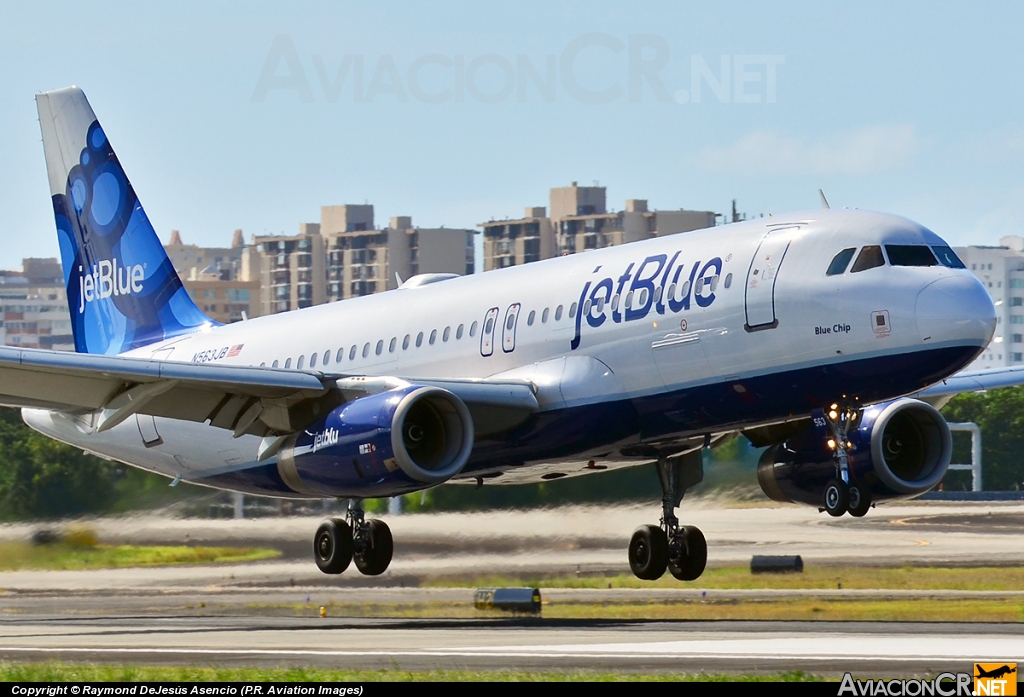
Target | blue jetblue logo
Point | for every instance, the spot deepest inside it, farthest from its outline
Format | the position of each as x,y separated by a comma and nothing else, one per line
657,284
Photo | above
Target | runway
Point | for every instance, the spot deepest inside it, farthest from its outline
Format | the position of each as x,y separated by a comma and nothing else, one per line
866,649
234,614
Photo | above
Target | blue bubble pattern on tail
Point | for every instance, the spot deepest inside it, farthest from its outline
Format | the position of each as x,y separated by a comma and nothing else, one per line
123,292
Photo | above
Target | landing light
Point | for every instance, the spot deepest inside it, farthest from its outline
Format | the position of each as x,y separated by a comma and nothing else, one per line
833,414
831,444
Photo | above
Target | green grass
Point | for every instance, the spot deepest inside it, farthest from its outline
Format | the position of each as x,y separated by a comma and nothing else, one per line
63,556
64,672
739,577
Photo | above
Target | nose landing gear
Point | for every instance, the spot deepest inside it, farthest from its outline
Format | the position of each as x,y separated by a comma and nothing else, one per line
682,550
340,541
841,495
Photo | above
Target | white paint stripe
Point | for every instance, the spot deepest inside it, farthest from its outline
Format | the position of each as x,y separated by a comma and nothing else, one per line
502,653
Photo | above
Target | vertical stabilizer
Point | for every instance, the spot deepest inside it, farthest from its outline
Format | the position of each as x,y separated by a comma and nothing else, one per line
122,289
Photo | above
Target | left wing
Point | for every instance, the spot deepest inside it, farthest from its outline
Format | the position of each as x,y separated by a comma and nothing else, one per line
973,381
106,390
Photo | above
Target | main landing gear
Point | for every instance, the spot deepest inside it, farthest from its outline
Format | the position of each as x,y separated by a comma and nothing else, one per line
680,549
339,541
841,494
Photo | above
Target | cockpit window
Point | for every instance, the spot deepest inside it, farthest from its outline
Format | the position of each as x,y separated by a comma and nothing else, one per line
840,262
947,257
910,255
869,258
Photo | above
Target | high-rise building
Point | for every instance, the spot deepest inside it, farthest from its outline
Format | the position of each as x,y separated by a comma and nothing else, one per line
34,307
1001,271
220,280
578,222
347,256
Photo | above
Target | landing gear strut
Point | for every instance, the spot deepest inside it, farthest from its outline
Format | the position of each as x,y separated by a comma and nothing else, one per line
680,549
841,495
340,541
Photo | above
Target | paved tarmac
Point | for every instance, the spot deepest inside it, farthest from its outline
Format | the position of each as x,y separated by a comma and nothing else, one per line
222,615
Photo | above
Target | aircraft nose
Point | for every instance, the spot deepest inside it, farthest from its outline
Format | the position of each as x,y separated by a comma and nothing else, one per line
955,309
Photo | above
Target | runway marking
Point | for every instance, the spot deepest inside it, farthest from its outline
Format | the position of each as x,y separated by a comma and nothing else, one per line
508,654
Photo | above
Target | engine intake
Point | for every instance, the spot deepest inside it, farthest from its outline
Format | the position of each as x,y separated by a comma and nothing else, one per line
383,444
901,449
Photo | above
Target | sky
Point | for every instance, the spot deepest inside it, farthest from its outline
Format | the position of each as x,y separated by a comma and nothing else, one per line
252,115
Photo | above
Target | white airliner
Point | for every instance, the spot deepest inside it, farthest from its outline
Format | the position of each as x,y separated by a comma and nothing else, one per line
804,332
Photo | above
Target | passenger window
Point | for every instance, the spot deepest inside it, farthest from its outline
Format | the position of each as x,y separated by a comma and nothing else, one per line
529,320
458,332
657,293
587,305
869,258
433,336
300,362
327,357
352,353
472,329
380,347
558,312
341,355
910,255
274,365
947,257
544,315
728,280
263,365
839,262
419,339
489,326
312,360
447,333
366,349
288,363
405,342
393,345
629,300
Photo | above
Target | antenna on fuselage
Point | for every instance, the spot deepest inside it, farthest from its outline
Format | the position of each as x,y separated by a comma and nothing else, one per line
824,201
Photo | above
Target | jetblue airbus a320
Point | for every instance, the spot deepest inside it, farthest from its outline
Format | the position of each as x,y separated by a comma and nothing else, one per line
807,333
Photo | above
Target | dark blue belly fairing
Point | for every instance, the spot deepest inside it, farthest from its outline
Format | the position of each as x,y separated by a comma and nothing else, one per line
618,427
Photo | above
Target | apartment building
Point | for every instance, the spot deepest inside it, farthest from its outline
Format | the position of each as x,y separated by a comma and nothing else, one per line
346,256
34,307
1001,270
579,221
220,280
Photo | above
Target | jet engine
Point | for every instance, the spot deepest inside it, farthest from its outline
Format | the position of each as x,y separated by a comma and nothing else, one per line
899,449
384,444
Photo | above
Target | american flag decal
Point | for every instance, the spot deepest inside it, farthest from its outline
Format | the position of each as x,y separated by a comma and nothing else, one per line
235,350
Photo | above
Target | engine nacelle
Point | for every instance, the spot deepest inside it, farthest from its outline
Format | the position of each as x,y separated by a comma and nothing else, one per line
384,444
901,449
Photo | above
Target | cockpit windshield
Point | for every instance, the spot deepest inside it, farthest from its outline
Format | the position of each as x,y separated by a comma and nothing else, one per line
910,255
840,262
947,257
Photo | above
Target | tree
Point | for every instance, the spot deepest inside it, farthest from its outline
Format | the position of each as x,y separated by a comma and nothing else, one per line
41,478
1000,414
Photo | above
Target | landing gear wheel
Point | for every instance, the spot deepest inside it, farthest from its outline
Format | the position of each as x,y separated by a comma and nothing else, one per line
694,555
648,552
860,501
837,497
375,556
332,546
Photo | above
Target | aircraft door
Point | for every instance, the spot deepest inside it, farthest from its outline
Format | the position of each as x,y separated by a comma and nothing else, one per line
508,329
759,292
487,332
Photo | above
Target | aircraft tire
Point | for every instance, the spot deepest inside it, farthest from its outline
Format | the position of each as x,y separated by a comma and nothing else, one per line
860,501
691,564
376,557
836,498
332,546
648,552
